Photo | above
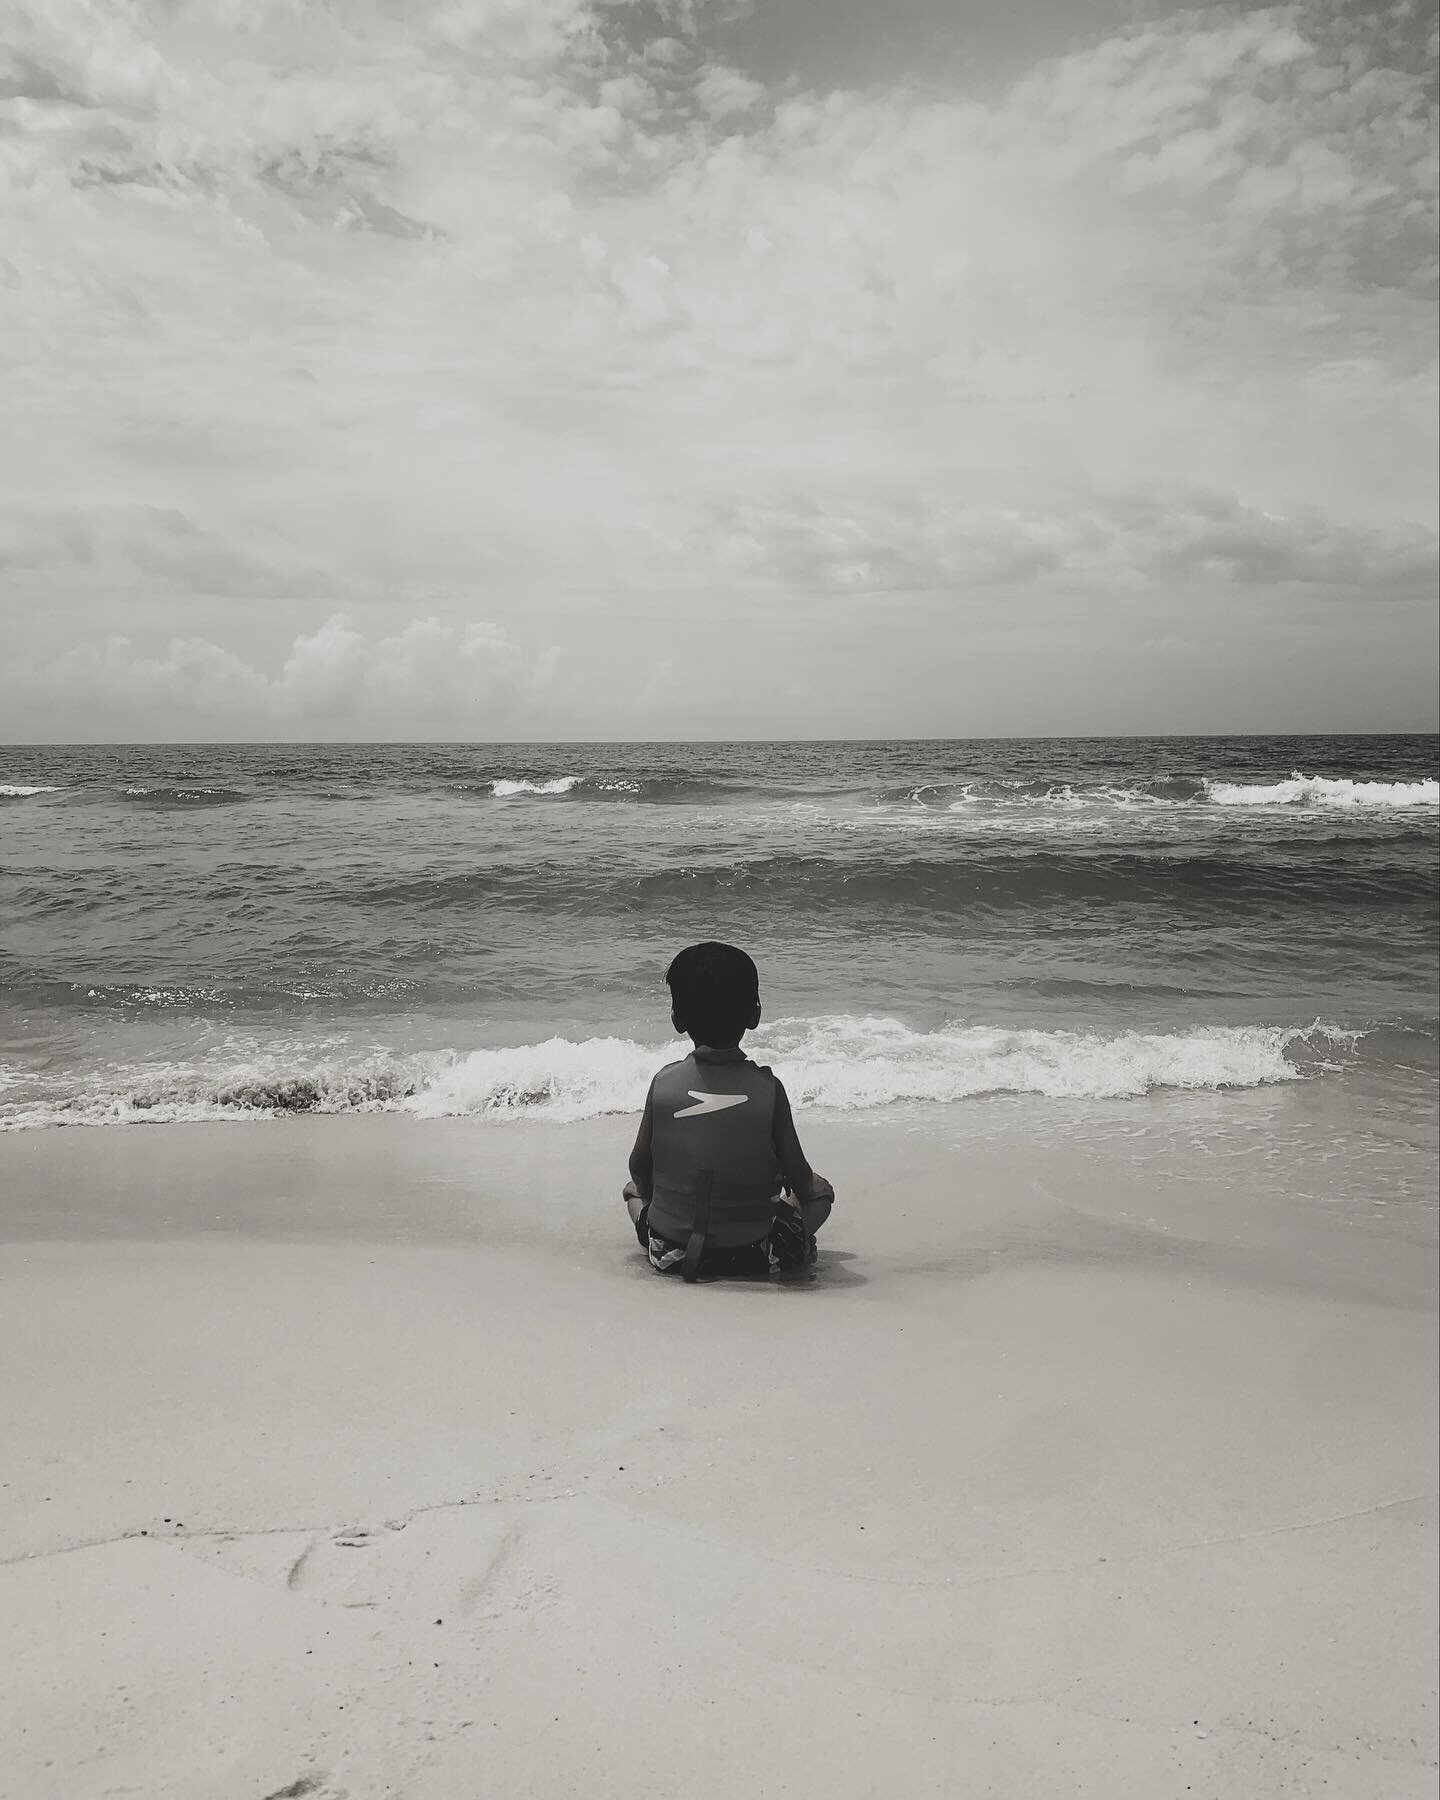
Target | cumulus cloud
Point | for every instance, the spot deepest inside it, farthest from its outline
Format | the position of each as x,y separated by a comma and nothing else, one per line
557,304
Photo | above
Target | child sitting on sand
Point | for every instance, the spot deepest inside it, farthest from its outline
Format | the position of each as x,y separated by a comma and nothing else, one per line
718,1181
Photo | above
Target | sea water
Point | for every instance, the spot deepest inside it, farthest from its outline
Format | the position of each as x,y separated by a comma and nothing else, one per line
247,932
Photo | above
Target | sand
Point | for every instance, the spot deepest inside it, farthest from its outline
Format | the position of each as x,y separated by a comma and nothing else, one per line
364,1457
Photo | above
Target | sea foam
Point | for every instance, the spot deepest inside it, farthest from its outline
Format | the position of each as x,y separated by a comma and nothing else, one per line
9,792
1162,792
506,789
844,1063
180,795
853,1064
1322,791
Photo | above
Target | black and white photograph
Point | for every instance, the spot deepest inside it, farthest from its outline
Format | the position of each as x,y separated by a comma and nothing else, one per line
719,899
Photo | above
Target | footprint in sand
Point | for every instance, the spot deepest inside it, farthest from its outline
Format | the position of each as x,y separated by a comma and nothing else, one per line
442,1564
336,1568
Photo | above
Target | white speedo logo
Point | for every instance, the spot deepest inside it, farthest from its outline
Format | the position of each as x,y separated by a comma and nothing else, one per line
709,1103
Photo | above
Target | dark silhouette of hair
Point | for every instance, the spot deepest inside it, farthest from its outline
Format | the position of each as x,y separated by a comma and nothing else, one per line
714,989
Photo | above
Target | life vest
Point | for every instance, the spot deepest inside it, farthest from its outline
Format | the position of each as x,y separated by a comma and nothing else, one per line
715,1174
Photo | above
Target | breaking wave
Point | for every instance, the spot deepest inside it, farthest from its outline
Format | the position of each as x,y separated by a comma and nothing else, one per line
959,793
1166,791
853,1064
1320,791
844,1063
505,789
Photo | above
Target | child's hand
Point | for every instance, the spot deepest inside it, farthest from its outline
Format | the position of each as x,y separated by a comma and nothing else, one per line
822,1190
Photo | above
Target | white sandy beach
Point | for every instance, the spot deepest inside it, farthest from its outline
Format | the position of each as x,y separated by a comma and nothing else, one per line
365,1458
537,533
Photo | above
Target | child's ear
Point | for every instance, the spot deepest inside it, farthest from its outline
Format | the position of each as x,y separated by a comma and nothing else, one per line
677,1021
756,1020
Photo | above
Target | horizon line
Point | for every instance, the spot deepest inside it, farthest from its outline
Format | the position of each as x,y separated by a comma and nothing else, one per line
1090,737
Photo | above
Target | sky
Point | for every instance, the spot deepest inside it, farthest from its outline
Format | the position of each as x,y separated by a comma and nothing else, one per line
647,369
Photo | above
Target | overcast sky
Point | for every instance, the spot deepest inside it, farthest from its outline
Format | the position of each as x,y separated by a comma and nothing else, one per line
585,368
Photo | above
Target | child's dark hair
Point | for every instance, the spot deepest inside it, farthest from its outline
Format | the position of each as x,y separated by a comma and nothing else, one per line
714,989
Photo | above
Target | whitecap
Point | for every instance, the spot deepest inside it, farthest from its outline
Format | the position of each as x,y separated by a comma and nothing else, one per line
844,1063
506,788
1322,791
854,1064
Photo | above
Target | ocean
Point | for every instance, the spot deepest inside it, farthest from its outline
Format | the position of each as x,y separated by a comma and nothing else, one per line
249,932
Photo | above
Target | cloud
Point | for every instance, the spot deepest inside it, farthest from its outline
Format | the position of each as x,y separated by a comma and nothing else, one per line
1212,535
1143,540
552,304
453,676
144,547
427,666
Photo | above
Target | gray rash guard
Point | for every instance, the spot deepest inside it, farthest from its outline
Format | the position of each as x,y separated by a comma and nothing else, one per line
721,1142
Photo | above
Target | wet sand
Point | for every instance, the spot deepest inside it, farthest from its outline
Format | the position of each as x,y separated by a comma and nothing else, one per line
364,1457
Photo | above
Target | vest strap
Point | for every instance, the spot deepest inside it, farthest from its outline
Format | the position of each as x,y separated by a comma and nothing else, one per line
700,1224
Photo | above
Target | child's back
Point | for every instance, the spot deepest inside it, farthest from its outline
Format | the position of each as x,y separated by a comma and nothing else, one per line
717,1143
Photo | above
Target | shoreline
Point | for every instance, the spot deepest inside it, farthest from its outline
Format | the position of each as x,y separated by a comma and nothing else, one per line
369,1455
1253,1174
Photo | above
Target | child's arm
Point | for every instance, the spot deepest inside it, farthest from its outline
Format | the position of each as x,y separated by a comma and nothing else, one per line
800,1178
642,1163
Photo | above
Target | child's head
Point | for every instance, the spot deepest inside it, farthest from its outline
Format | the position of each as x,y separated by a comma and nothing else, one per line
714,994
